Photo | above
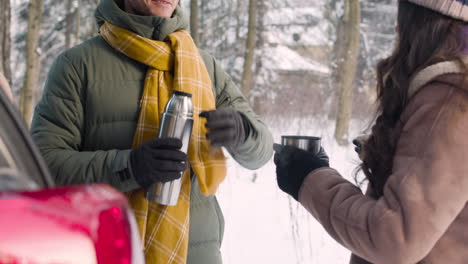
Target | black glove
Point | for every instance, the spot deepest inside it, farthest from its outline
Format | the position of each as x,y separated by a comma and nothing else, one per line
158,160
293,165
226,127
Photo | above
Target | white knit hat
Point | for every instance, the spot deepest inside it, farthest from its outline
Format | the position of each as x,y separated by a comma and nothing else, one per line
454,8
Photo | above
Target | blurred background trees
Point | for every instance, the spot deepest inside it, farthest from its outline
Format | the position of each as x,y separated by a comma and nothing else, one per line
346,56
41,30
5,38
33,56
311,58
300,63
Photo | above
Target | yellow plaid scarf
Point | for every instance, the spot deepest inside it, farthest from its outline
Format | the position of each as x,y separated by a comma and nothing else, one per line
173,65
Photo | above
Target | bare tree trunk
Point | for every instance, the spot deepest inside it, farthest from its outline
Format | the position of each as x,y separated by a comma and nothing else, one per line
347,67
239,25
78,22
201,25
90,29
72,34
247,76
5,87
5,40
69,26
194,27
262,9
32,60
336,56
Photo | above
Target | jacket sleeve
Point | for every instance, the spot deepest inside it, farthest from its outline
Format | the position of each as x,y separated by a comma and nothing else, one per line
423,196
57,128
258,148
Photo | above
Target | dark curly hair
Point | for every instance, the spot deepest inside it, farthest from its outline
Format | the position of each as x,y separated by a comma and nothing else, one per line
425,37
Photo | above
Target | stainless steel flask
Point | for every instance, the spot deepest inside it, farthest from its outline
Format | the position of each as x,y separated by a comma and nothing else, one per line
176,122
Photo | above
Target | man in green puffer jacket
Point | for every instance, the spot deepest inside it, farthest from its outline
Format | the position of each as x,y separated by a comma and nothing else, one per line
85,121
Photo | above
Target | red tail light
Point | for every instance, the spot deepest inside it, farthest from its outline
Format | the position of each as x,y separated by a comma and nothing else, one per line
113,245
74,225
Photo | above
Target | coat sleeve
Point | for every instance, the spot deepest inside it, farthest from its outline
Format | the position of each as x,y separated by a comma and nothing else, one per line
57,128
423,196
258,148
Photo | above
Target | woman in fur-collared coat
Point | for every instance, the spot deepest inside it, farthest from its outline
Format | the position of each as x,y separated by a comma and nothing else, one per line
416,159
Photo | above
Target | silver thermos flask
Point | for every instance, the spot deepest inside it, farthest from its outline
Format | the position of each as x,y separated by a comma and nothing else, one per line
176,122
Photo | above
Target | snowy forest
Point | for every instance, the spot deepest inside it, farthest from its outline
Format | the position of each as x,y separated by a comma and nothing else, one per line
306,66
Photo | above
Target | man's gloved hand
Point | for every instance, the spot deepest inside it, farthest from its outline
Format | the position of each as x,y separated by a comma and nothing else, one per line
158,160
293,165
226,127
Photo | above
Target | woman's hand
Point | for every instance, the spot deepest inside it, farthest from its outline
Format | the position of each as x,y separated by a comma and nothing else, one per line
293,165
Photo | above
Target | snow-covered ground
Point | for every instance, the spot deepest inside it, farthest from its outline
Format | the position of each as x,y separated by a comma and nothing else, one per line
264,225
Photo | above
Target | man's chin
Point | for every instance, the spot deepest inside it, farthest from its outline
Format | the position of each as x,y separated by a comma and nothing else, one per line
161,9
161,12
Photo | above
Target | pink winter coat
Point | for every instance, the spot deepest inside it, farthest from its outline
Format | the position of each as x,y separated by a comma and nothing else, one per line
422,216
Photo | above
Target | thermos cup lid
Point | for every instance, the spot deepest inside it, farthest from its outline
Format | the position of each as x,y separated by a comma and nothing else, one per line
183,94
307,143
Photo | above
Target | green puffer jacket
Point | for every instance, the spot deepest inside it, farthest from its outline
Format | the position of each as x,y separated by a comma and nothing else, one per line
85,121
